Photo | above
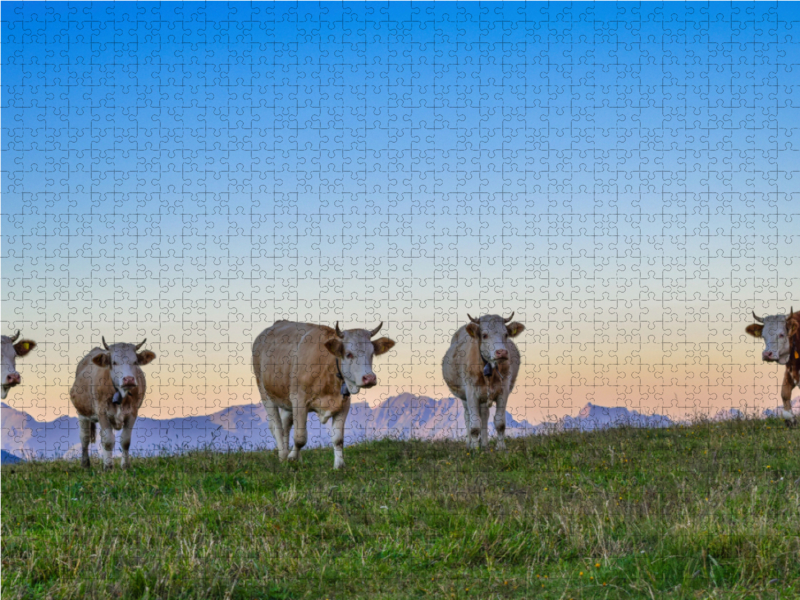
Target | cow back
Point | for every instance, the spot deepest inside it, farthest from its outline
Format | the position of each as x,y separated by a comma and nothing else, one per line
292,355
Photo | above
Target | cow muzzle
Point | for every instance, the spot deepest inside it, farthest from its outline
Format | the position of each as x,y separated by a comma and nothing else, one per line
500,355
769,356
12,379
368,381
128,383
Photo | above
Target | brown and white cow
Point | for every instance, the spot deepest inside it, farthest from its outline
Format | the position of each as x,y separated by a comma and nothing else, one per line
480,368
781,335
297,368
109,389
11,349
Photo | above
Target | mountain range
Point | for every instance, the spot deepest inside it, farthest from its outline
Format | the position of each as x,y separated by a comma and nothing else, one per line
245,427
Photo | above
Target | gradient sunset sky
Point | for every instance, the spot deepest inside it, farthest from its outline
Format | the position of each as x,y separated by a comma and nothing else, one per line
624,177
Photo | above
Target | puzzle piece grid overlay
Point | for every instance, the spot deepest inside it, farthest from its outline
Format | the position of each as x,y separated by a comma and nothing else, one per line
621,176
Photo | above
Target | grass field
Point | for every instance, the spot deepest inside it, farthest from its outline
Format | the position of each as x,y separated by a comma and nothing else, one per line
708,511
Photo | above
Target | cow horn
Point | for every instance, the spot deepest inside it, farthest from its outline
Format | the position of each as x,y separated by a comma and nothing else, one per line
104,343
339,333
473,320
140,345
15,337
509,318
756,318
376,330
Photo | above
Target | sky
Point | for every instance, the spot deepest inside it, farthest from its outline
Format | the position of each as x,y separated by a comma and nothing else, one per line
623,177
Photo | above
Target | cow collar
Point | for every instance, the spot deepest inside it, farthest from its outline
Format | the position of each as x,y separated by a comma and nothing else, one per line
345,391
117,397
487,366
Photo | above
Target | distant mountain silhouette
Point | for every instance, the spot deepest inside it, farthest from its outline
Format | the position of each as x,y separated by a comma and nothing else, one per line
6,458
245,427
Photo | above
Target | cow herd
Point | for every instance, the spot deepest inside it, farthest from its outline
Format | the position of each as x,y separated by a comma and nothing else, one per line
301,368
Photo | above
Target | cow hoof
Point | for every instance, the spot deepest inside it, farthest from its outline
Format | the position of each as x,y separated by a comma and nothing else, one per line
85,463
791,423
338,465
500,448
108,467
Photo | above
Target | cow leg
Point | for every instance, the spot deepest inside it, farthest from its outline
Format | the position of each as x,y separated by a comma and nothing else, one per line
286,422
107,440
275,425
786,396
337,434
86,438
299,415
473,420
125,441
484,410
500,422
466,420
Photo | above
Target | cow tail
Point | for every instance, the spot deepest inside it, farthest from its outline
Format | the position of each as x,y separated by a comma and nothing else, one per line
92,432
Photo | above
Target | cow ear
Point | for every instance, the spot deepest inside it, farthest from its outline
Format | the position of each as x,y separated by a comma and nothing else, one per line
754,330
22,347
335,347
382,345
514,329
145,358
473,330
102,360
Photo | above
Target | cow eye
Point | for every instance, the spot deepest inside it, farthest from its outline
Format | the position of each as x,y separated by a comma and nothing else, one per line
781,335
350,355
485,335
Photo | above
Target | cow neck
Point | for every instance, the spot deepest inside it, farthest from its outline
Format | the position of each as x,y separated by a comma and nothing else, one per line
344,390
116,397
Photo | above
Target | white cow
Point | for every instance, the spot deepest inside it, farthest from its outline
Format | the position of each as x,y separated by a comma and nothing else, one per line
11,349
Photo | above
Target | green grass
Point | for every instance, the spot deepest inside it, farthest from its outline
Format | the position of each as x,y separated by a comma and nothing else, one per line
708,511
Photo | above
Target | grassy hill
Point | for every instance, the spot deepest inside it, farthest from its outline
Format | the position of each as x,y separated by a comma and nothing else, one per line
711,510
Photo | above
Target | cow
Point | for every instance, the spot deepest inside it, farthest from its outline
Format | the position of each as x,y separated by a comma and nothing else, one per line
480,368
11,349
781,335
301,367
109,389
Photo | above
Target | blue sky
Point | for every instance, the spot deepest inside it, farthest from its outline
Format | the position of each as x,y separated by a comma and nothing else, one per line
621,176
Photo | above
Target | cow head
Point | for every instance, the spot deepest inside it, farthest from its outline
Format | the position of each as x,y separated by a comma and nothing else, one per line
11,349
776,331
492,333
120,359
355,349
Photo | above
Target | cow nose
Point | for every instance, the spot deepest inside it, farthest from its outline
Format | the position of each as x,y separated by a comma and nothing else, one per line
502,353
368,380
128,381
767,355
13,379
